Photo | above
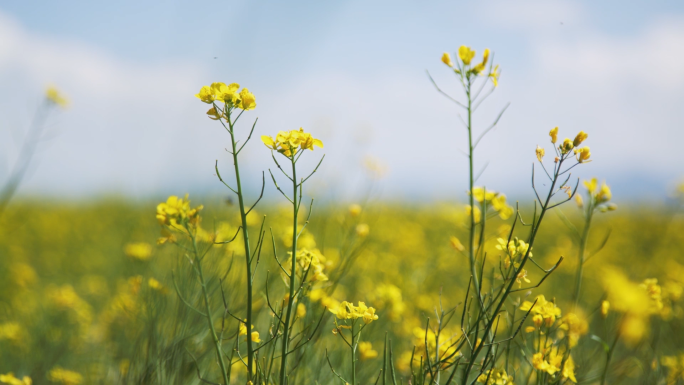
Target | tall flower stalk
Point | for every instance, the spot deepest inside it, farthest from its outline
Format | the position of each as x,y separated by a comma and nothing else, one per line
291,145
226,103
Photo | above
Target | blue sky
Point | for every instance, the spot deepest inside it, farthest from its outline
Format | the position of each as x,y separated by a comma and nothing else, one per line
353,73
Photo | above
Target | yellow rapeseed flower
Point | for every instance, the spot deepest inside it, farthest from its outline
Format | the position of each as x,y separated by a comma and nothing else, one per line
355,210
347,310
554,135
540,153
566,146
466,54
362,230
255,337
604,194
591,185
494,75
247,101
289,142
53,95
583,154
446,59
581,137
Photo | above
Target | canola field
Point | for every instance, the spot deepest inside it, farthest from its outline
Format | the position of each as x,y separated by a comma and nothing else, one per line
565,288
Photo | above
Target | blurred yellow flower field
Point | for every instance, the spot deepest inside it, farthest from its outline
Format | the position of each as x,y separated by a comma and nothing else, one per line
560,287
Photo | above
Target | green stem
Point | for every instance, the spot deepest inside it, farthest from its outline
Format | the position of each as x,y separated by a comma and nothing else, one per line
217,343
290,303
353,354
471,251
581,255
248,262
609,355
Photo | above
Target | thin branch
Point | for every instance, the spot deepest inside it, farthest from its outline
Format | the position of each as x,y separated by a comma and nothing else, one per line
444,93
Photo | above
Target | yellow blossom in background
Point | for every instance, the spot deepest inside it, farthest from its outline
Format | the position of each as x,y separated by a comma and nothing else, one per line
540,153
581,137
495,75
579,201
53,95
138,250
591,185
10,379
301,310
366,350
362,230
554,135
604,194
605,308
176,210
466,54
156,285
446,59
675,368
355,210
456,244
583,154
574,326
11,331
477,214
65,377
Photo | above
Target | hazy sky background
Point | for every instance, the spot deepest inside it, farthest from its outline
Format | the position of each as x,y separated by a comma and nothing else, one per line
352,73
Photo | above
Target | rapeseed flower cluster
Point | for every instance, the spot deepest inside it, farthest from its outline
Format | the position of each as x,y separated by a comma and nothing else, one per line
347,311
289,142
228,95
465,64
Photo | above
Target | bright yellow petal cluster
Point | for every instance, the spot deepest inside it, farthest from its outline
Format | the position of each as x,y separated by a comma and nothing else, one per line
583,154
566,146
544,308
466,54
581,137
227,94
554,135
347,310
446,59
289,142
540,153
311,263
177,210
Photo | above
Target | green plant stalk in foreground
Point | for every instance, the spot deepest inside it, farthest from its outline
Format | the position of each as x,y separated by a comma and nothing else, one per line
249,320
545,206
293,273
